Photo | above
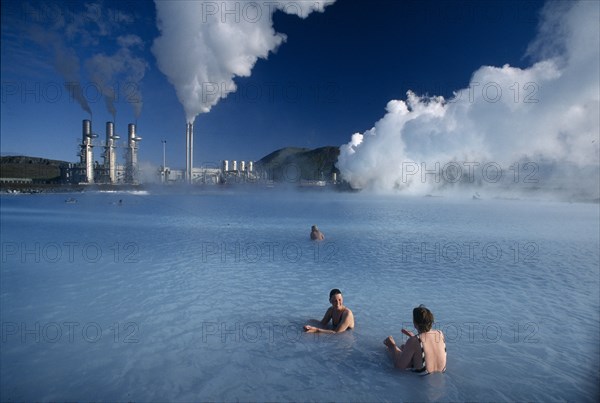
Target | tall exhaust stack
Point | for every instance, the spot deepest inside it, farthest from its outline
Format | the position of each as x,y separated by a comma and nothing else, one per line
110,157
87,157
131,165
189,151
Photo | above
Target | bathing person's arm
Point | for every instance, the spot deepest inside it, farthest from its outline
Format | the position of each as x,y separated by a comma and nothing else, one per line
407,332
324,322
346,323
402,358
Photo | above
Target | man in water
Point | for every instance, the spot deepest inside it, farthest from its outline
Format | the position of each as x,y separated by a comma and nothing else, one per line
340,316
315,234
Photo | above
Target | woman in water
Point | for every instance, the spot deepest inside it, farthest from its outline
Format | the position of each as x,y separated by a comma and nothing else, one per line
340,316
423,353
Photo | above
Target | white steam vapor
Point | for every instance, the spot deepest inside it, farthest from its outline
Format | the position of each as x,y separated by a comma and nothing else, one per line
205,44
540,123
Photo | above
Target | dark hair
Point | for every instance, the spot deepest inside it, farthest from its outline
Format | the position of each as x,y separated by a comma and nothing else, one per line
423,318
333,292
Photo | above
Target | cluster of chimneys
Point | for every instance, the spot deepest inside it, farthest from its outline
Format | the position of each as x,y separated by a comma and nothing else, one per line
110,159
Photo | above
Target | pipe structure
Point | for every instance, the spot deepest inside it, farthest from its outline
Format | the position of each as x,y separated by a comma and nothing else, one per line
87,155
132,160
189,151
110,157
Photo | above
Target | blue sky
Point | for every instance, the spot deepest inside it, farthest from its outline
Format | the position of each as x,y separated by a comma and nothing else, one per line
332,77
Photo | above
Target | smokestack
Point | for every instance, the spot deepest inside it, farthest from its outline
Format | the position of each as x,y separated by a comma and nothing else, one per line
189,151
132,164
87,157
110,158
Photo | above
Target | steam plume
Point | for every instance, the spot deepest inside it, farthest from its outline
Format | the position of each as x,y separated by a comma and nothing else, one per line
547,114
205,44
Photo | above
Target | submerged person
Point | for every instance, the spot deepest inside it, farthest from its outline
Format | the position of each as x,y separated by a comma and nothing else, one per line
315,234
341,317
424,352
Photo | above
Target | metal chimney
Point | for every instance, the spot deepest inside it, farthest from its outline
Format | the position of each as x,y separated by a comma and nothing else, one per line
132,159
110,158
87,157
189,151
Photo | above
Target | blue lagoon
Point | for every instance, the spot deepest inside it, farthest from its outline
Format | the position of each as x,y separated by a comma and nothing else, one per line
203,296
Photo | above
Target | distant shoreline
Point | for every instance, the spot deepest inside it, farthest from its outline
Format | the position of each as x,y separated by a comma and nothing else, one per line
29,188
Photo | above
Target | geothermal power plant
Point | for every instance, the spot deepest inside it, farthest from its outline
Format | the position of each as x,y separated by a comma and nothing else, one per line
88,171
110,172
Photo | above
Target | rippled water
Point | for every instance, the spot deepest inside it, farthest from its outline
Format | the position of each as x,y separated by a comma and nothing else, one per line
202,297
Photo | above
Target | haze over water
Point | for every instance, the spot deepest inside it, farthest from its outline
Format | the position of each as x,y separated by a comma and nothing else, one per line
203,297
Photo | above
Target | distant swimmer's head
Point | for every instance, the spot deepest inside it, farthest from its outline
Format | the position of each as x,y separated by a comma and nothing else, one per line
314,228
333,292
422,318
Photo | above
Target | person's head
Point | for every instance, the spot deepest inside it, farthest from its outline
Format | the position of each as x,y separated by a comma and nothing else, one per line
422,319
335,297
313,229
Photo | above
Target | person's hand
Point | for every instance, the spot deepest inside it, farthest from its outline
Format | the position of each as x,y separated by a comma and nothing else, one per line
408,333
310,329
389,342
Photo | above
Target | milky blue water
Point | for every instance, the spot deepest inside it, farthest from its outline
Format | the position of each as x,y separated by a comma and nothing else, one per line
203,297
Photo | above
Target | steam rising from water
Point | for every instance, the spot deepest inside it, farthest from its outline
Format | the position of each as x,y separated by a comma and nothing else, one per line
205,44
540,123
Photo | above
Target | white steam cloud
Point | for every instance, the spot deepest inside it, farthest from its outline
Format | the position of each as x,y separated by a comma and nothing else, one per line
205,44
538,127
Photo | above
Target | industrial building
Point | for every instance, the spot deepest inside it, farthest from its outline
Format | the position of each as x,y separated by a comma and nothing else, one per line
211,175
88,171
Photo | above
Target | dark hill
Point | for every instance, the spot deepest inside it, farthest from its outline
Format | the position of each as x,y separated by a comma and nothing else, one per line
293,164
40,169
